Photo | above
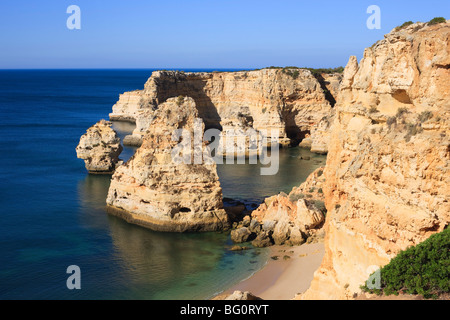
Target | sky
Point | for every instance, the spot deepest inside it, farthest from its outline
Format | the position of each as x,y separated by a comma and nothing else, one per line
198,33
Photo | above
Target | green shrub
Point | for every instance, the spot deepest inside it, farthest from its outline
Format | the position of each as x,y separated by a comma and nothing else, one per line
401,112
318,71
390,121
411,130
423,269
180,100
426,115
294,197
436,21
373,109
291,71
404,25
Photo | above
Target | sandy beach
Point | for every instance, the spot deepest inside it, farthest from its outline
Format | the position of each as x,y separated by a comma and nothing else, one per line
282,278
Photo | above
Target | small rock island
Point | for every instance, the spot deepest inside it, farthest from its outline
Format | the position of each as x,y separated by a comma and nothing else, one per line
100,148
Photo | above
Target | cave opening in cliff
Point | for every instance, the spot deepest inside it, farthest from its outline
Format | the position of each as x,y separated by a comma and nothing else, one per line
296,135
401,96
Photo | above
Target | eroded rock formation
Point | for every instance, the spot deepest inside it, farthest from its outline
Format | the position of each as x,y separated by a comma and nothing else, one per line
100,148
129,105
157,190
291,101
286,219
388,167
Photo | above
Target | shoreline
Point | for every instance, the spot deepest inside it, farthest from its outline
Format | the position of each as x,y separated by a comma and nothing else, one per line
284,278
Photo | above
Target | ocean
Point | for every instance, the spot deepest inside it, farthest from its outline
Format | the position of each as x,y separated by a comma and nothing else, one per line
53,213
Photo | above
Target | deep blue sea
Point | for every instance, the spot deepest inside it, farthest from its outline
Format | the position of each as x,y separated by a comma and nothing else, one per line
52,212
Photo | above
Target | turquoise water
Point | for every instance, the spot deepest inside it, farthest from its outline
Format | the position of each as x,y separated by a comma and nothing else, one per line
52,212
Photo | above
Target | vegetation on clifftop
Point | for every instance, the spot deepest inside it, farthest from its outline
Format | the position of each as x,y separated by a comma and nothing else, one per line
423,269
429,23
436,21
326,70
315,71
404,25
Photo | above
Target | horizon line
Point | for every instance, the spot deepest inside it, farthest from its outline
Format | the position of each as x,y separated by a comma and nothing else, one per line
165,68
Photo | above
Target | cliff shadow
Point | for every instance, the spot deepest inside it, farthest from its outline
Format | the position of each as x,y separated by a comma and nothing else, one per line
207,110
190,86
293,131
323,84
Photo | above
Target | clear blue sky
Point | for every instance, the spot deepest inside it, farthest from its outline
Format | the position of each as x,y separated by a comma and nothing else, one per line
197,33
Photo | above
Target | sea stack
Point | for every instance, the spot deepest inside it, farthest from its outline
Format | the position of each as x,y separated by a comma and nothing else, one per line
156,190
100,148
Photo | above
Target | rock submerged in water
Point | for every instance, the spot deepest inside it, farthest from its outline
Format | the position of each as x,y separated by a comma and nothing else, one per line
240,235
154,191
286,219
100,148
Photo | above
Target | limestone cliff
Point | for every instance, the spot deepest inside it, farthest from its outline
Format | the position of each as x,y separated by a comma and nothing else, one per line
156,190
318,138
388,167
100,148
289,100
128,106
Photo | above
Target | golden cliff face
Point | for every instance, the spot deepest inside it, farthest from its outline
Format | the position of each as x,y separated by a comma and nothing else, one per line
128,107
289,100
388,168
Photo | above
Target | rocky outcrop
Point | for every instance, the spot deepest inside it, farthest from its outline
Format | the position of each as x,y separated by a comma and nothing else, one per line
286,219
165,186
143,120
320,134
239,295
318,138
332,84
128,106
388,167
100,148
290,101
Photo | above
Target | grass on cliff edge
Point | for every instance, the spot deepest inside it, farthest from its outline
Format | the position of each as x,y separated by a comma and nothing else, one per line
423,269
436,21
314,71
429,23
